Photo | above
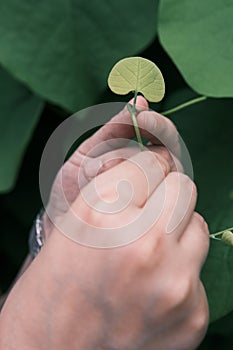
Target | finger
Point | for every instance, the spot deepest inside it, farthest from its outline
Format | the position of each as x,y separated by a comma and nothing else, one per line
96,166
171,206
114,134
194,241
119,130
74,179
134,179
159,130
72,171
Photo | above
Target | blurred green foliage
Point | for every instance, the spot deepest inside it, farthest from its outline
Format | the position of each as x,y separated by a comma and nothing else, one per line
54,59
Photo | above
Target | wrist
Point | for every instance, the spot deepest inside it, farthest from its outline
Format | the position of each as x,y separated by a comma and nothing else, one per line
57,316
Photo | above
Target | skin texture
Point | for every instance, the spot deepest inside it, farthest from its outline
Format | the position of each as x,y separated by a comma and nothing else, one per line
98,152
145,295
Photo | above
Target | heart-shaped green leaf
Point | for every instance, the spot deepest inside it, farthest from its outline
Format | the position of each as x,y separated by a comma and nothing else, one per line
137,74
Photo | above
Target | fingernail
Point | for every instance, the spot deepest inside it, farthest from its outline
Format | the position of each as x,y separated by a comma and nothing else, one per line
92,167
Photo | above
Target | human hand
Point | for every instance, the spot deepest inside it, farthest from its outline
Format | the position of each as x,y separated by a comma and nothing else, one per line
89,159
145,295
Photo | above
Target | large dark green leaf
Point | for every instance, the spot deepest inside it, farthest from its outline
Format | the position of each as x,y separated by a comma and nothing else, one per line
207,129
198,37
218,280
19,112
64,50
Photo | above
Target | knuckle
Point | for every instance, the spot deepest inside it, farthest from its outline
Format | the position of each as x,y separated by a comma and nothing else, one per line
163,162
104,193
164,153
195,330
198,321
179,293
199,217
136,253
164,156
186,181
153,159
182,178
173,162
201,221
142,252
177,165
89,213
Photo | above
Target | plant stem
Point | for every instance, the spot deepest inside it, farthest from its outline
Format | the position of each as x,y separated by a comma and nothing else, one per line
135,99
216,239
184,105
135,123
137,131
220,232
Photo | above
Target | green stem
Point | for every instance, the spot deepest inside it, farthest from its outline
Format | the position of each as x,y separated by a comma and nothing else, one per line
137,131
216,239
133,113
220,232
184,105
135,99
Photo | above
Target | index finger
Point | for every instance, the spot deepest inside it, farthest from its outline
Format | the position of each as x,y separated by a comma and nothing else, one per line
114,134
119,130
